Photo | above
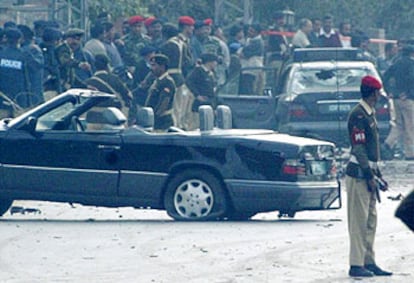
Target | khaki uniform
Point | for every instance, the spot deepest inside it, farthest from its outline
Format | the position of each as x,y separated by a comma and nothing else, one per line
362,214
177,49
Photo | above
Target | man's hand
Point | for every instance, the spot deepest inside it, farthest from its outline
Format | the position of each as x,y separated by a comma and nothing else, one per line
383,185
371,185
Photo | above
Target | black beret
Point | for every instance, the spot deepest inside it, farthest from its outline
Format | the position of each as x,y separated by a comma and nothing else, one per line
147,50
26,31
12,33
51,34
160,59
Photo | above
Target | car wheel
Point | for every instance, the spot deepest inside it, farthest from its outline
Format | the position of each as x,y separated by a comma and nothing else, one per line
195,195
4,205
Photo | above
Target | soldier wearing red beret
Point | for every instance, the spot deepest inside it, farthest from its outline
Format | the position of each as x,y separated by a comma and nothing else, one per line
363,180
178,50
134,41
154,31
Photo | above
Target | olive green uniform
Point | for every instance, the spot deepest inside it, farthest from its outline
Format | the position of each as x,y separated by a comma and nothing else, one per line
161,98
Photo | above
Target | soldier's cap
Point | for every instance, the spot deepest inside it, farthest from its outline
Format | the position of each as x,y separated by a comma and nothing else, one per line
73,32
186,20
26,31
51,34
12,33
208,57
160,59
208,21
9,24
372,82
147,50
135,19
152,21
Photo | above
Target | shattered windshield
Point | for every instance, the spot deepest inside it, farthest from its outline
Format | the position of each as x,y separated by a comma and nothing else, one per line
310,80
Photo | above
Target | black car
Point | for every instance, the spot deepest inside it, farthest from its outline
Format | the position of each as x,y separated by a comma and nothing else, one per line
315,91
75,148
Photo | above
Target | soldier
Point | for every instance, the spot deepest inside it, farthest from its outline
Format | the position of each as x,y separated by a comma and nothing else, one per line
134,41
108,82
161,93
35,64
13,73
83,61
202,84
154,31
51,78
362,180
178,50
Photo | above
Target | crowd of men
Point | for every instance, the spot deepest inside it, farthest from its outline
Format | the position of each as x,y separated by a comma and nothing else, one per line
44,60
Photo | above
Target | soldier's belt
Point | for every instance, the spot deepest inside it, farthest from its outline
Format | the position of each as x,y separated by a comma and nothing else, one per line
174,71
372,164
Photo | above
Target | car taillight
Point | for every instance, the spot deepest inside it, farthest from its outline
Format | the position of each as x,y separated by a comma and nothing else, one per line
297,111
293,167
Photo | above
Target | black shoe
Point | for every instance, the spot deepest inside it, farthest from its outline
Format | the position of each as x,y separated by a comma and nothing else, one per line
377,271
359,271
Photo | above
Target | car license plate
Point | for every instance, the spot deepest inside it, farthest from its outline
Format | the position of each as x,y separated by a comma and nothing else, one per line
339,107
318,167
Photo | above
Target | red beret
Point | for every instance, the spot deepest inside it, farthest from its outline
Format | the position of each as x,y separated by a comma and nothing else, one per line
135,19
372,82
208,22
149,21
186,20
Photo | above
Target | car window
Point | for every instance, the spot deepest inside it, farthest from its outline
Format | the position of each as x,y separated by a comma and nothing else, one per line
327,79
49,120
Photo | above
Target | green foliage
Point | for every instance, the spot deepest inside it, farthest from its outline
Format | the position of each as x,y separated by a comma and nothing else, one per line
392,15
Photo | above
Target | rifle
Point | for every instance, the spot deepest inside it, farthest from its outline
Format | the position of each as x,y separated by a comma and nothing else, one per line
381,185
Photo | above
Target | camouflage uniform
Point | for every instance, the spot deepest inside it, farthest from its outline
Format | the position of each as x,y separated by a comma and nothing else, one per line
133,43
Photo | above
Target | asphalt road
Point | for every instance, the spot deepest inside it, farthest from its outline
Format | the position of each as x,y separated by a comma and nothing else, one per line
55,242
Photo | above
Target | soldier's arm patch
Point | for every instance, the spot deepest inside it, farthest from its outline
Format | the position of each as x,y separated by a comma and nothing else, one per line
167,90
358,136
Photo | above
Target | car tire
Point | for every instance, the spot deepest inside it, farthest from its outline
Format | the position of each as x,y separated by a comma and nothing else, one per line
195,195
4,205
240,216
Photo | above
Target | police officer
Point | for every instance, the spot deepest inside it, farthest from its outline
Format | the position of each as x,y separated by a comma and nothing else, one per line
362,174
13,69
161,93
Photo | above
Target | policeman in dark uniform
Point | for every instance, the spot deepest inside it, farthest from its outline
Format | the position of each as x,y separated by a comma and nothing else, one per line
161,93
13,70
362,180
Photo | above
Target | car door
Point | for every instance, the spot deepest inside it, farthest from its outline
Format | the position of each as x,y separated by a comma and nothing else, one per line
61,162
251,111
